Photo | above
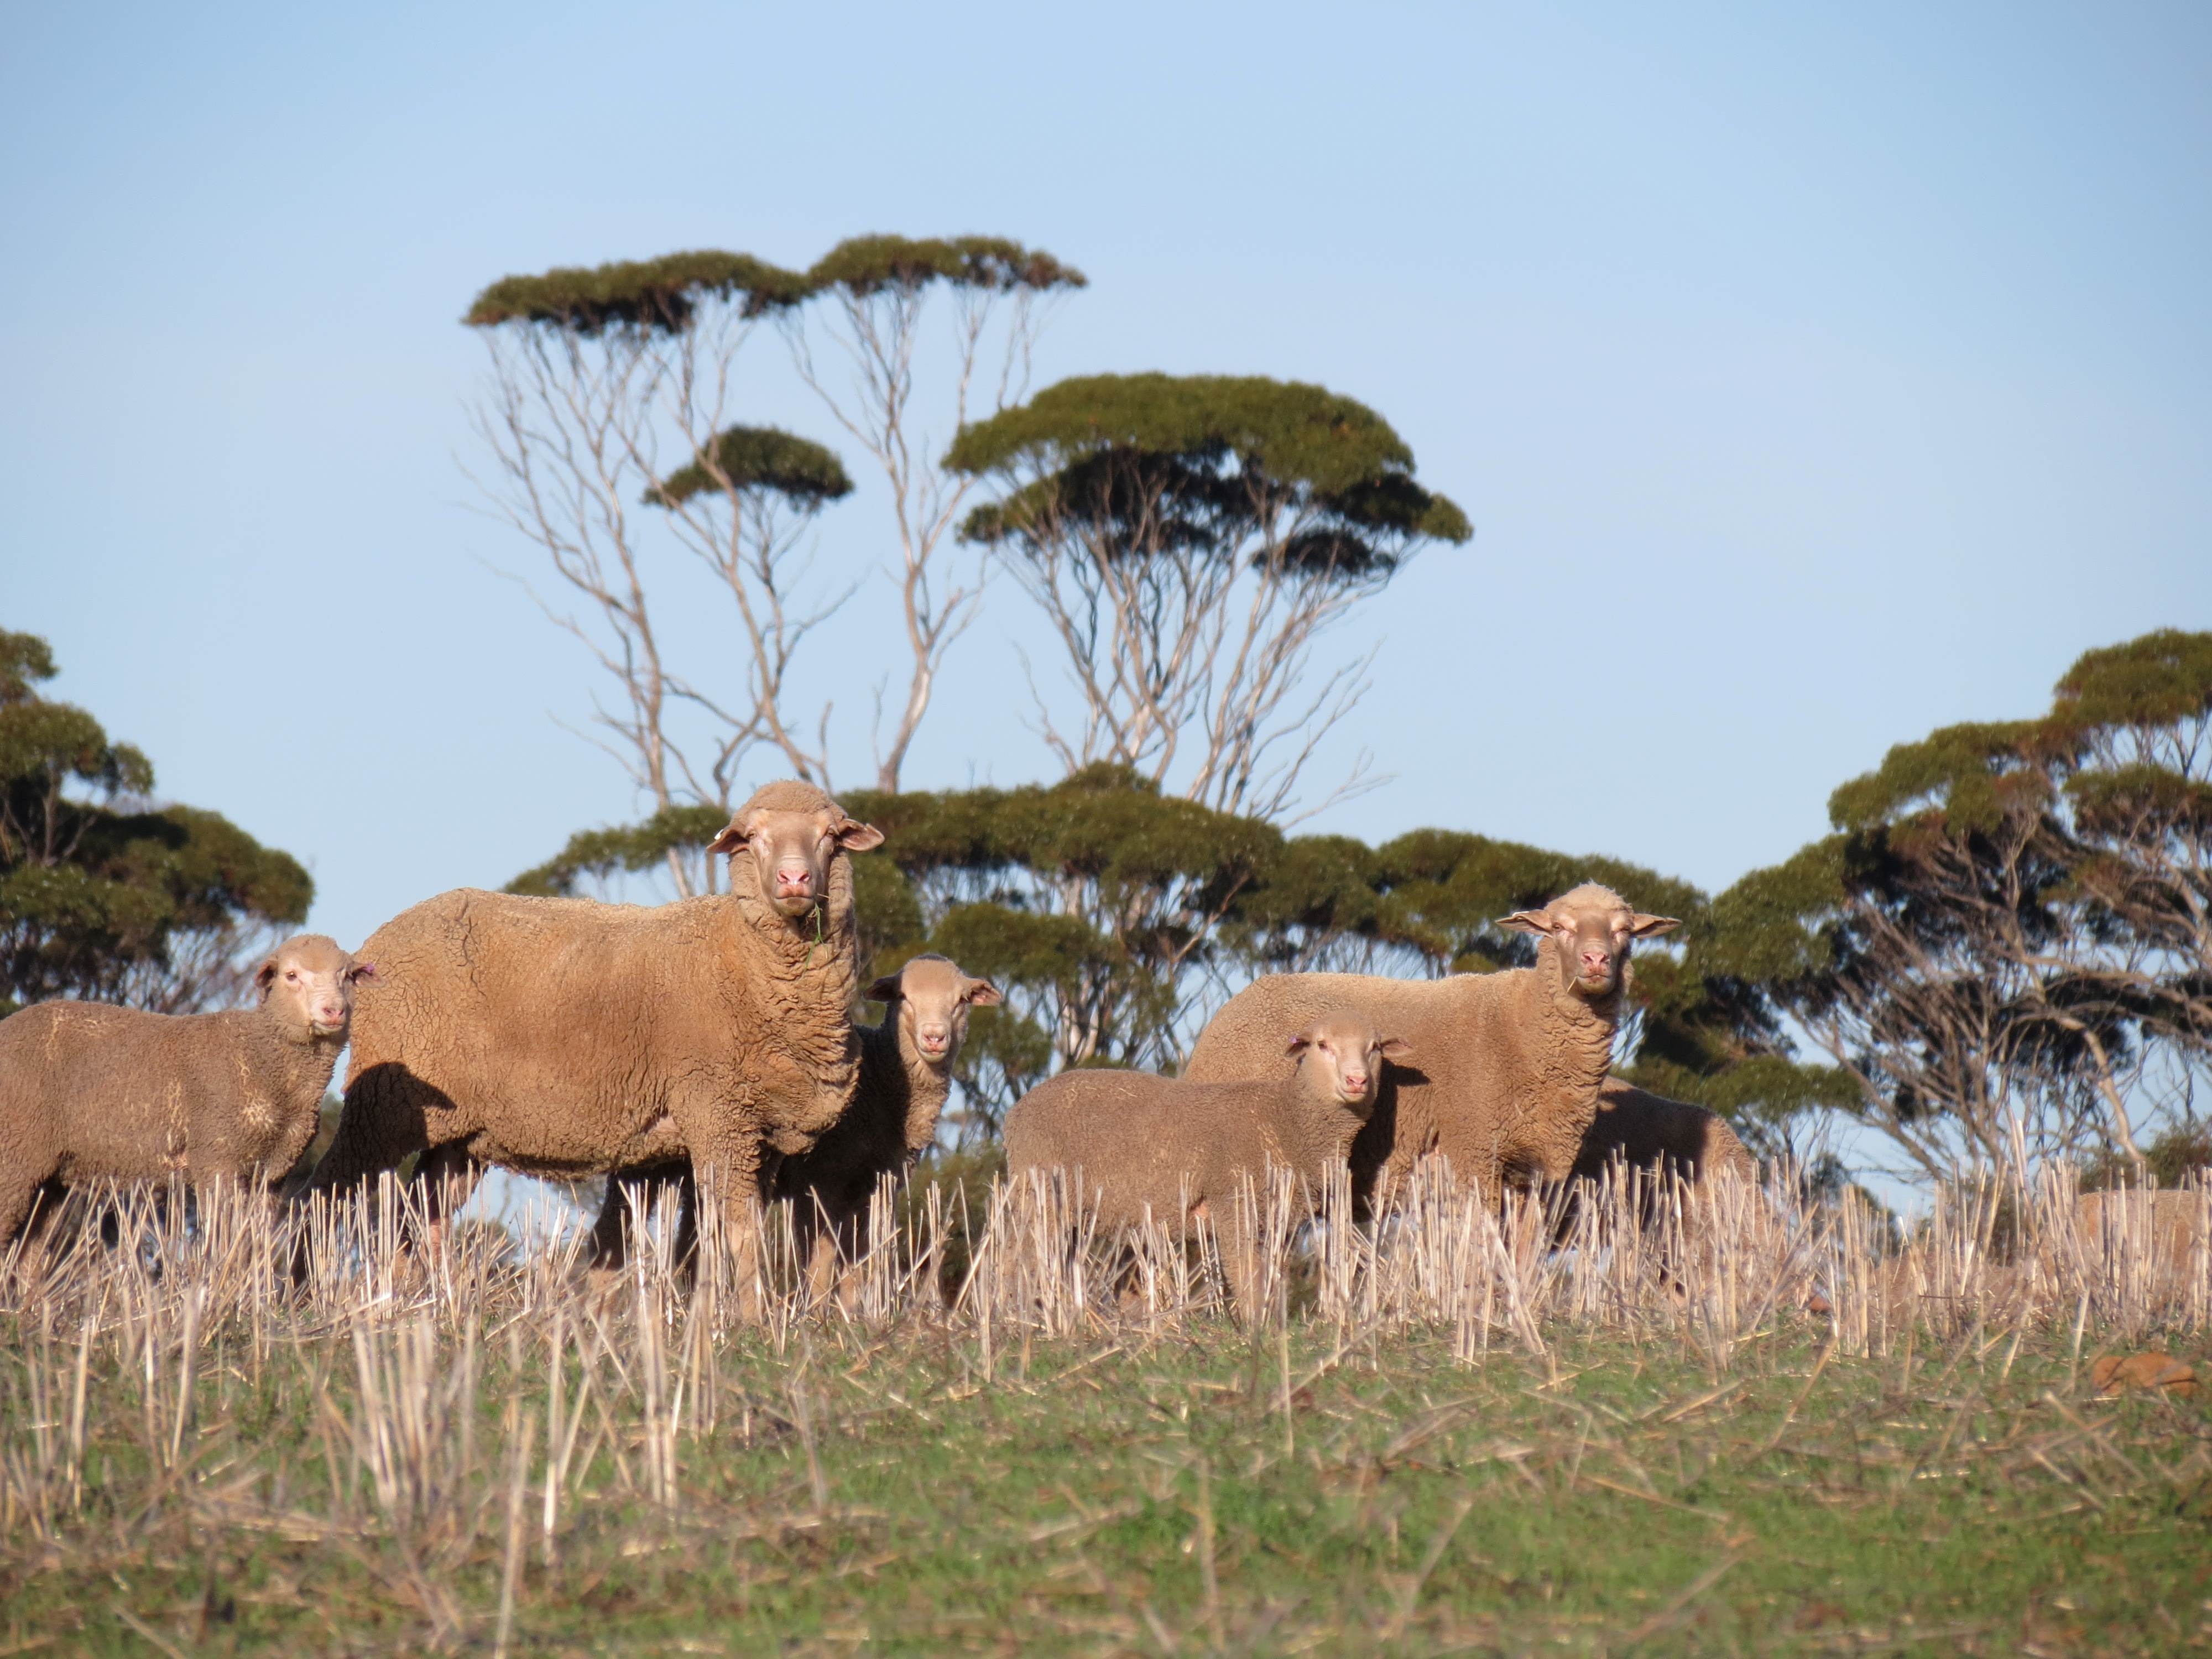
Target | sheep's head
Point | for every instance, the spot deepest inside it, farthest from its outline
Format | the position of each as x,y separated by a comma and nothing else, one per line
792,832
1592,929
1341,1055
308,981
930,997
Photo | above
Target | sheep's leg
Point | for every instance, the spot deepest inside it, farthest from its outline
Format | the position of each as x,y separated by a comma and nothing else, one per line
734,1162
18,1194
1238,1264
447,1176
28,1208
628,1191
836,1244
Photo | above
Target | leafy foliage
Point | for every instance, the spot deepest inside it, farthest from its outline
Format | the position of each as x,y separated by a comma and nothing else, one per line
759,458
650,296
659,296
1179,459
101,894
862,265
596,370
2007,938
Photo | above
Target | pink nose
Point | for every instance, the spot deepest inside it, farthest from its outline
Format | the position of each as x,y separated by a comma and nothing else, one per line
1597,962
331,1014
794,879
1355,1081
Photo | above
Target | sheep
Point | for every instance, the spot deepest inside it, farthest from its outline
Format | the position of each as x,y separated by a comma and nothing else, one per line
1654,1139
1511,1062
566,1038
1142,1144
1652,1134
906,1072
89,1091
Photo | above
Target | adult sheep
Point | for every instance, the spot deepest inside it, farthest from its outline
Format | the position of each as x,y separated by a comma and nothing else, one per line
566,1038
92,1092
1509,1064
906,1075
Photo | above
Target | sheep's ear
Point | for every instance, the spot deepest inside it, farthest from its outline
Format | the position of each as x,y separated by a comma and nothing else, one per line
730,839
1395,1049
857,837
984,995
1527,921
1643,927
886,989
360,970
264,976
1299,1044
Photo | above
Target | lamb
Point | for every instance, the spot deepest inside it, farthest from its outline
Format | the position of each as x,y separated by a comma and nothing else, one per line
565,1038
1175,1150
89,1091
1511,1062
906,1072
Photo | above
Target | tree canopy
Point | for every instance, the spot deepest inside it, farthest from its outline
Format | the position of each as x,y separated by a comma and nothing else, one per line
660,295
759,458
861,265
1184,452
2005,937
102,894
654,296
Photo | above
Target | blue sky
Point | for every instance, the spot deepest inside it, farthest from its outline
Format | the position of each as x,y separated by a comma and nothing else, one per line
1814,375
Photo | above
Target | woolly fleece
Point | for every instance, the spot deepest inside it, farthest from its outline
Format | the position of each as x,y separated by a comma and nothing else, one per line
891,1120
89,1091
1507,1065
564,1037
1174,1149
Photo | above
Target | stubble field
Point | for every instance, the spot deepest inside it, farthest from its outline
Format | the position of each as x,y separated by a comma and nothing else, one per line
1766,1431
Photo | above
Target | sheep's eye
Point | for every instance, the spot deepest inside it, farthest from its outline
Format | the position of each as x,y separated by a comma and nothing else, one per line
291,973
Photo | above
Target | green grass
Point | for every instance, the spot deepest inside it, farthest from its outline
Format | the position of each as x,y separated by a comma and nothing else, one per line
882,1494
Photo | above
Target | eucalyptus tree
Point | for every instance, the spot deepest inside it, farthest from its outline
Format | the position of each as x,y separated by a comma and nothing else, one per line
105,895
2003,945
2128,742
609,414
610,417
744,505
1188,540
869,298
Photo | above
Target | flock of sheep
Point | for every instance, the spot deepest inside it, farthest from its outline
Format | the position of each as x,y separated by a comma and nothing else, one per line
714,1037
